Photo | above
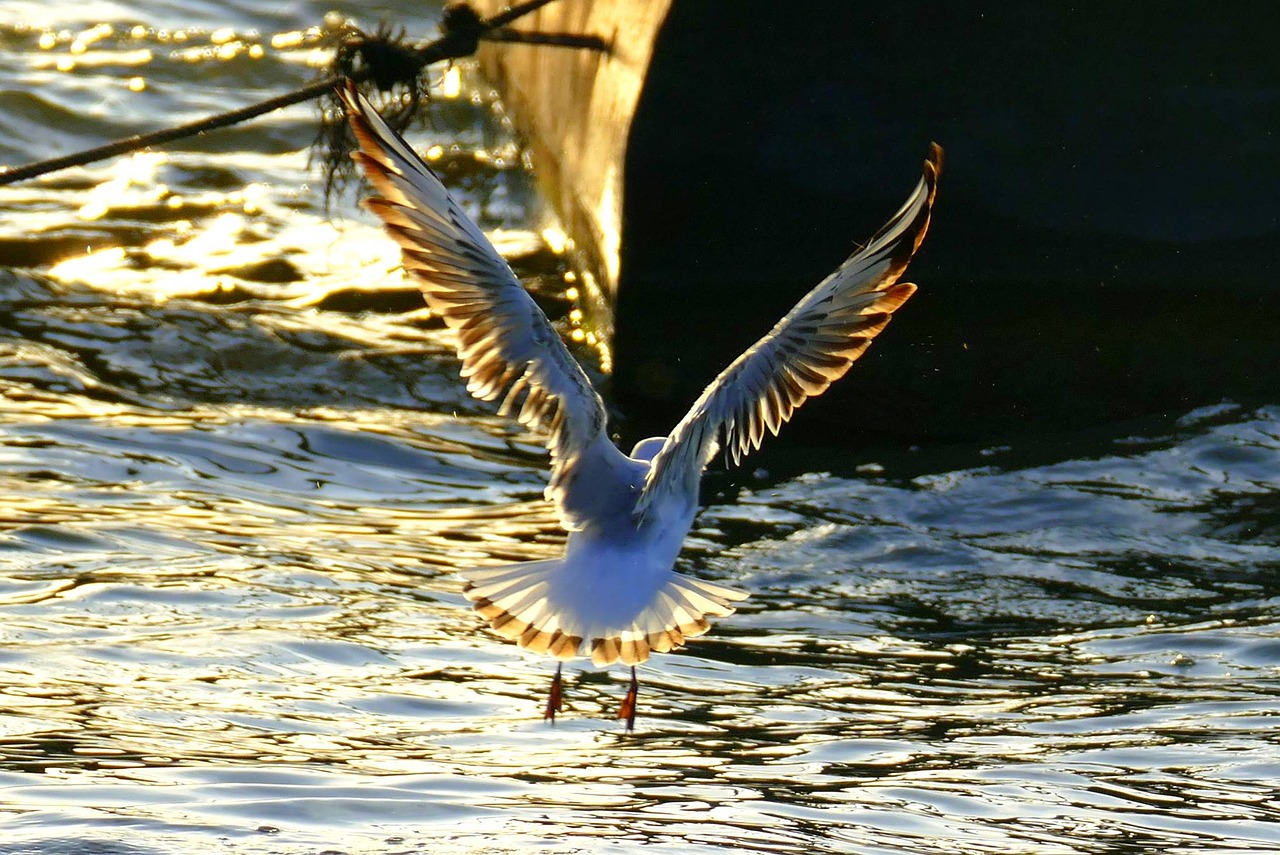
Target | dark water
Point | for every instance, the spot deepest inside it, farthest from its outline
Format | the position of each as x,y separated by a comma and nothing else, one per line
236,467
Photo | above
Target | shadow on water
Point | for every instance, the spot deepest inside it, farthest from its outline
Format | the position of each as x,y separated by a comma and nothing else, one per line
232,492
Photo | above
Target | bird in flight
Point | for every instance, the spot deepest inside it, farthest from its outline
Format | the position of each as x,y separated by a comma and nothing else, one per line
614,595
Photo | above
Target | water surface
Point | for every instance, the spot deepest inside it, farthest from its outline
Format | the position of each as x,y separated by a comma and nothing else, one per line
237,469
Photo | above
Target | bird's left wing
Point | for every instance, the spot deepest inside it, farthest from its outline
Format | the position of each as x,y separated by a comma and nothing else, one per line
808,350
507,346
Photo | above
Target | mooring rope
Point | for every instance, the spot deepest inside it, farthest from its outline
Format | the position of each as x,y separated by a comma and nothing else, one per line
385,63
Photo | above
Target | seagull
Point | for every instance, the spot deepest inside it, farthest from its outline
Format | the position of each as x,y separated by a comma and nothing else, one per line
614,594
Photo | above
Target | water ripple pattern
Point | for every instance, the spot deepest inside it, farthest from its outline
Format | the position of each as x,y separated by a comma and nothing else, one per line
237,468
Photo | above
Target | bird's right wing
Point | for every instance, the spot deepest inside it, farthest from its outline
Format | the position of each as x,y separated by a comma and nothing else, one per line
808,350
508,347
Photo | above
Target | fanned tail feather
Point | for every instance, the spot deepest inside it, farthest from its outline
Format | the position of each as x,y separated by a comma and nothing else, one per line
521,604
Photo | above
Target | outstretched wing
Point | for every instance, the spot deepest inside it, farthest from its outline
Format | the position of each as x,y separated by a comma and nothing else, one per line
808,350
507,346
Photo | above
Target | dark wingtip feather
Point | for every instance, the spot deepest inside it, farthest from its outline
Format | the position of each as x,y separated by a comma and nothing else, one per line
935,159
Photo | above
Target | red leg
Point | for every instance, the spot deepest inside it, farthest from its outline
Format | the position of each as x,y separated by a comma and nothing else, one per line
553,697
628,708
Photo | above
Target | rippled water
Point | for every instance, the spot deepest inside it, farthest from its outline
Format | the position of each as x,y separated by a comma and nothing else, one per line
236,467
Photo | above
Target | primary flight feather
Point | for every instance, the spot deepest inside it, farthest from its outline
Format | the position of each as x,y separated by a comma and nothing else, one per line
614,594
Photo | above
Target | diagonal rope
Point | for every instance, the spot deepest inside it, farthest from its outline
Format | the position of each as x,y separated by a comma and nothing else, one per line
462,28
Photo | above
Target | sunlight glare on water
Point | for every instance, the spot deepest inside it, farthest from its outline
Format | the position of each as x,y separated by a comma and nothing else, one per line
237,467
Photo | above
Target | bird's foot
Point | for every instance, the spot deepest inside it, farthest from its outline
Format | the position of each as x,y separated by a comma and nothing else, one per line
628,709
554,701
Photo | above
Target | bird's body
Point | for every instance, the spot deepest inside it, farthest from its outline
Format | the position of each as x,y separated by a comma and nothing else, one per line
614,595
615,588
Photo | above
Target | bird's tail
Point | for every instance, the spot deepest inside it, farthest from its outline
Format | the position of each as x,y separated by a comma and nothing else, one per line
550,607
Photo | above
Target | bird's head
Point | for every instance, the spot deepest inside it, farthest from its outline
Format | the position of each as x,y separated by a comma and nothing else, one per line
647,449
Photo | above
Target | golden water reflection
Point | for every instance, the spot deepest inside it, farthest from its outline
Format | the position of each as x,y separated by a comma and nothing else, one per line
237,468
